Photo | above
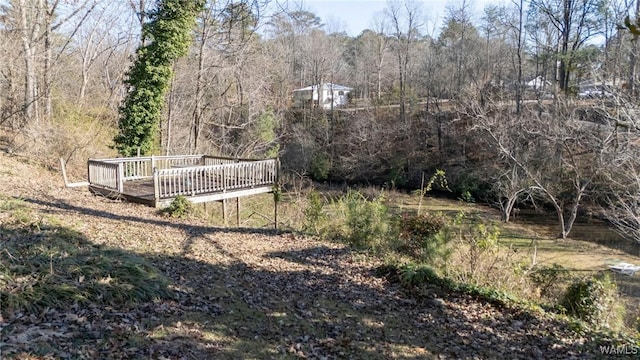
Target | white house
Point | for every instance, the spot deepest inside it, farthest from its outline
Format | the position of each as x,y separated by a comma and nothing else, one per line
329,95
538,83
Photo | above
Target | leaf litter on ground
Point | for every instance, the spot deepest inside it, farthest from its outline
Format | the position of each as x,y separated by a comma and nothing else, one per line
247,293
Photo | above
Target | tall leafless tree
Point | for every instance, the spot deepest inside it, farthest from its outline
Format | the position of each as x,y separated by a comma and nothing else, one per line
406,22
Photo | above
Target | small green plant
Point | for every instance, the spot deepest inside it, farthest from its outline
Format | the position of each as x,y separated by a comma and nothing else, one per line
467,197
439,178
416,275
277,193
397,178
478,259
320,166
368,222
547,278
594,300
313,213
179,207
423,238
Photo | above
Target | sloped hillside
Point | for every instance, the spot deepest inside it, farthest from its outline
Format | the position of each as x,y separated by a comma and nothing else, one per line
191,291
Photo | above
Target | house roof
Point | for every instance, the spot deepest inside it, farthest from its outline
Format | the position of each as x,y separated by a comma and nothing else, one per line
334,87
538,82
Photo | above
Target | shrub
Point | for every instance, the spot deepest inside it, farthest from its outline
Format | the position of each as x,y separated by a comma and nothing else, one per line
416,275
467,197
422,237
368,222
481,254
478,259
547,278
179,207
313,213
320,166
594,300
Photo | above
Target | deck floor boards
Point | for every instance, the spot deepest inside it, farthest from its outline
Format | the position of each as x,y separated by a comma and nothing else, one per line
139,188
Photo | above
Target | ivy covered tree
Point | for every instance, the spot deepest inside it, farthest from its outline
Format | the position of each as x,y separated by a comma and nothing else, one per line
165,38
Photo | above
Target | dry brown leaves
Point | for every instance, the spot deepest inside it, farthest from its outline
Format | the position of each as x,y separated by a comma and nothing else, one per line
247,293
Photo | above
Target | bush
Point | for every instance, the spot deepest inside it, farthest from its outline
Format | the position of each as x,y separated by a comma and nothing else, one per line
594,300
313,213
416,275
478,259
320,166
547,278
179,207
368,222
422,236
467,197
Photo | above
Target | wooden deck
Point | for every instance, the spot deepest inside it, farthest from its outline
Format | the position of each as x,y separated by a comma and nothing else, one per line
156,181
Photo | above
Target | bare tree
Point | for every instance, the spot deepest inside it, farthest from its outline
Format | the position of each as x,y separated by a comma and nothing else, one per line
405,20
575,21
459,42
380,45
560,155
624,200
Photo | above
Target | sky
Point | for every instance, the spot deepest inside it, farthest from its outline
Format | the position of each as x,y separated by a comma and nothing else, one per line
353,16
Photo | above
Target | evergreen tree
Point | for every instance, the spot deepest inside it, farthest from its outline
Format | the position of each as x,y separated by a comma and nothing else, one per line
165,38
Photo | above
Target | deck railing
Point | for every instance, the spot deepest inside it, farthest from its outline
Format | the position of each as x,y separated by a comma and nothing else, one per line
221,160
140,168
105,174
190,181
186,175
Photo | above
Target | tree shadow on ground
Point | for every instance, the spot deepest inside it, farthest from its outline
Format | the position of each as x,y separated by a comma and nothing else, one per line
307,304
192,231
109,215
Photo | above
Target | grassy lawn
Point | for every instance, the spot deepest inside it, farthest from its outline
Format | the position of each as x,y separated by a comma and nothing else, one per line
593,244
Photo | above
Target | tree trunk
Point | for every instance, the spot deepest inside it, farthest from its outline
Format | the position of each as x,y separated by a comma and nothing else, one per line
633,60
47,78
519,55
30,88
197,110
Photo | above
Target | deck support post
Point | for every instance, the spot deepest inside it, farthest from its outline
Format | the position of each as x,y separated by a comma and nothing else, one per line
224,212
238,212
120,178
156,186
276,194
275,212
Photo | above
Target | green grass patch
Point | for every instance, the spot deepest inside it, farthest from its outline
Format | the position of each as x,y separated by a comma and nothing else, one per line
51,266
16,209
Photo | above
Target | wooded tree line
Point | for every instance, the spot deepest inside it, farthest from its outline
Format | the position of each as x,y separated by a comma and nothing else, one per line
490,93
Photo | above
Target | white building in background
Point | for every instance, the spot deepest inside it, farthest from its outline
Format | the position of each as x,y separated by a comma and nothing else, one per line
538,83
329,96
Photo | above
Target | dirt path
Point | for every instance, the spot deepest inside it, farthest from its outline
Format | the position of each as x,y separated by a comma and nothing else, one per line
249,293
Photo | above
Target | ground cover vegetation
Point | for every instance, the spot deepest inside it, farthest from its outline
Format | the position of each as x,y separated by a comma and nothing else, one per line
84,276
529,119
